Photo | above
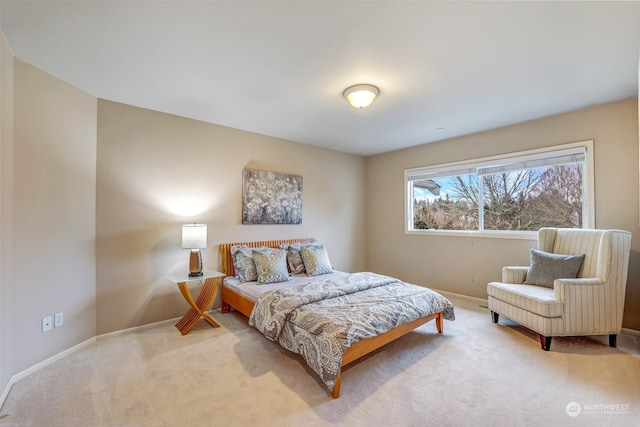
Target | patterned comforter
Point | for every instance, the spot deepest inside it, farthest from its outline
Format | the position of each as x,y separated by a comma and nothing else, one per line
323,318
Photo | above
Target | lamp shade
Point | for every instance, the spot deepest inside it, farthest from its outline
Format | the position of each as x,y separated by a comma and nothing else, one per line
361,96
194,236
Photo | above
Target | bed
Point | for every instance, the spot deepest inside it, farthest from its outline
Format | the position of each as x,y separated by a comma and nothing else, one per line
322,323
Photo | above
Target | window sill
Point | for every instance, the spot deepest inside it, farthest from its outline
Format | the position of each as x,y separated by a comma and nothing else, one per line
514,235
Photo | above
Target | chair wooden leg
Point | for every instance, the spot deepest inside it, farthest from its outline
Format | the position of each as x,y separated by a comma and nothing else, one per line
494,317
613,340
545,342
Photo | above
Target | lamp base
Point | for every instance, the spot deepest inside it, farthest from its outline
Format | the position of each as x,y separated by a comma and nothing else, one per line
195,263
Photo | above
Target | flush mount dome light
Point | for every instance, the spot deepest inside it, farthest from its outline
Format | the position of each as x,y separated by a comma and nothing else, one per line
361,96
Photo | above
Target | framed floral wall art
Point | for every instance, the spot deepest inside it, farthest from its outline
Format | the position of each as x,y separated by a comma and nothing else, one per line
271,197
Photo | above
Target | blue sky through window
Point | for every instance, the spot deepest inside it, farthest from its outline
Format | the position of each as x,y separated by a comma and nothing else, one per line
446,188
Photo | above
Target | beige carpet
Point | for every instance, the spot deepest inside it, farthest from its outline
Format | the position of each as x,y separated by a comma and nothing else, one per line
476,374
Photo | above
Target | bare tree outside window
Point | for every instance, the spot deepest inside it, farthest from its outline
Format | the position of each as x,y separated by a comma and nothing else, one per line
521,200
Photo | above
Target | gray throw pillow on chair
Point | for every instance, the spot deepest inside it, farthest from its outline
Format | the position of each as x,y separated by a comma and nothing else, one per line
546,267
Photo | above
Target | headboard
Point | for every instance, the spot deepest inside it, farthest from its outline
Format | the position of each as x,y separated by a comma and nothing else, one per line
226,260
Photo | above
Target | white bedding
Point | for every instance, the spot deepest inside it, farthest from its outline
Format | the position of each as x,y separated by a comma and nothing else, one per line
253,291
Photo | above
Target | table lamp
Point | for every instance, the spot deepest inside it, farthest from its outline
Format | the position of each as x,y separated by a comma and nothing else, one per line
194,237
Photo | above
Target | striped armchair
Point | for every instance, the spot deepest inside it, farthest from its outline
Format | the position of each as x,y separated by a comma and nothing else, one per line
590,304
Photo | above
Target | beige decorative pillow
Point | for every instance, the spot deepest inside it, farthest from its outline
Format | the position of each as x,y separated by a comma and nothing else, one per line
316,260
271,265
294,259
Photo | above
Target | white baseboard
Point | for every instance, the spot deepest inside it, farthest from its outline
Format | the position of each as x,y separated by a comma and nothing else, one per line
480,301
147,326
137,328
631,332
20,375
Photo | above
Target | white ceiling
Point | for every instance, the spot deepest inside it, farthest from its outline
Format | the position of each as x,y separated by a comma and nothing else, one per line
279,67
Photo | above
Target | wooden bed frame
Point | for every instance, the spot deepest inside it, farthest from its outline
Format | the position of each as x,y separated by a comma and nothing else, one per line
231,299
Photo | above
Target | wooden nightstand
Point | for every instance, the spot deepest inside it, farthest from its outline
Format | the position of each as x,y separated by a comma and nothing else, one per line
209,281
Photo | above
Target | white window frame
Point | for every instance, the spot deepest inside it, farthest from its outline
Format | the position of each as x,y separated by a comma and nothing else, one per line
450,169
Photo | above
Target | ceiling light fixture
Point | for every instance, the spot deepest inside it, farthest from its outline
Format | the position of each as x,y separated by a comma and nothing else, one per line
361,96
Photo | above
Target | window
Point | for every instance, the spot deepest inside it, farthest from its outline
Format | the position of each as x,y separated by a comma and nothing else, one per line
521,192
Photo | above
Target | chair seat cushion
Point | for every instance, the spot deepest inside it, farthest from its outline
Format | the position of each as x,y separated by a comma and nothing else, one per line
536,299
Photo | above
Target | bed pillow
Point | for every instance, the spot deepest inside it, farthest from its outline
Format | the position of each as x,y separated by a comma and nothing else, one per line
546,267
294,259
316,260
243,263
271,265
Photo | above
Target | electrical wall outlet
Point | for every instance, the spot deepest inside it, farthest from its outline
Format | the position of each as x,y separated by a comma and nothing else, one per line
46,324
58,320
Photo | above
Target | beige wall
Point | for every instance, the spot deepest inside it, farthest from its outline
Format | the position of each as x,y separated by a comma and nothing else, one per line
48,215
6,174
464,265
157,171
